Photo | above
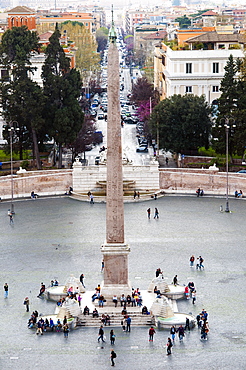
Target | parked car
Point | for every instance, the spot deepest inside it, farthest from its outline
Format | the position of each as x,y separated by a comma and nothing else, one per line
142,149
100,116
242,171
97,160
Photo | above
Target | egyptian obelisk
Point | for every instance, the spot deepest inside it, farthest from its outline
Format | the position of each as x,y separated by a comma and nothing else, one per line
115,251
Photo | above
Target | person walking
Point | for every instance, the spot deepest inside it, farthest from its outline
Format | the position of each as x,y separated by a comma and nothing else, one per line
169,346
91,199
26,303
201,262
128,324
79,299
112,357
151,334
112,337
156,213
193,296
81,279
6,290
148,213
65,330
102,267
204,332
187,324
101,334
173,333
175,280
11,218
181,332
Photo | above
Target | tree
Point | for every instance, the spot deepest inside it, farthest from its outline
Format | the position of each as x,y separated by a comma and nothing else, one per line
16,47
183,123
21,97
61,89
85,137
22,101
142,91
184,22
231,105
102,39
87,58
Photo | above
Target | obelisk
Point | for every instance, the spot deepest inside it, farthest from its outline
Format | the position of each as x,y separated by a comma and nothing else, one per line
115,251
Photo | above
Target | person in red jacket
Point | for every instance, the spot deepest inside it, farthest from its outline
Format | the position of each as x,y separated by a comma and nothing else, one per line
151,334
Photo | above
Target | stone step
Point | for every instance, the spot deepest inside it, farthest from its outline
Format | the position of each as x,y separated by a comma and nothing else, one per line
115,320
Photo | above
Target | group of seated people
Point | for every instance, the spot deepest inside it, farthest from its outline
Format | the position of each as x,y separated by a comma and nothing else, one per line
54,283
105,319
33,319
42,325
238,194
134,300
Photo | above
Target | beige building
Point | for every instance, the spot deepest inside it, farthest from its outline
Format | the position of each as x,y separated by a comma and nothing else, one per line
195,71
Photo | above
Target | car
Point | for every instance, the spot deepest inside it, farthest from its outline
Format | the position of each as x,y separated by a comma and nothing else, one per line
97,160
242,171
100,116
143,142
129,120
142,149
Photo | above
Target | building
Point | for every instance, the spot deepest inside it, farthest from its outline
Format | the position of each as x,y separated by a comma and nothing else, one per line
196,71
47,22
22,16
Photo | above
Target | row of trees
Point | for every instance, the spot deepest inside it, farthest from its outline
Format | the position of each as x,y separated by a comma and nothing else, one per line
41,113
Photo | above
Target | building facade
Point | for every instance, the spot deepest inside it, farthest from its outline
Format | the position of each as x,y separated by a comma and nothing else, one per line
197,72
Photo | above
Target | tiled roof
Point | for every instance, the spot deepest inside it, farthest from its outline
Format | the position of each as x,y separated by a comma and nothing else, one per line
159,35
45,36
21,10
209,12
217,37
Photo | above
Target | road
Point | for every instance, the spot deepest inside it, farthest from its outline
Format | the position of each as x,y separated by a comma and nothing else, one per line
129,139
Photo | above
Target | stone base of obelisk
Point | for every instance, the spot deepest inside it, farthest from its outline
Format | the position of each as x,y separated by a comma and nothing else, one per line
115,281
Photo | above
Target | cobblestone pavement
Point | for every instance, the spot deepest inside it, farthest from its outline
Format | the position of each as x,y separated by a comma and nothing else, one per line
52,238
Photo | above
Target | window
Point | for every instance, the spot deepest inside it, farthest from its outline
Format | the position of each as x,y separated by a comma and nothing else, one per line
215,67
215,88
188,89
188,67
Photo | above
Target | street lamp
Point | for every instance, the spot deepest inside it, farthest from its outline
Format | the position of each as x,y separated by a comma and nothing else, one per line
11,129
227,127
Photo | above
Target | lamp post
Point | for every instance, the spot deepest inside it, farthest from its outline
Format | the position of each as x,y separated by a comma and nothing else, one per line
11,130
227,127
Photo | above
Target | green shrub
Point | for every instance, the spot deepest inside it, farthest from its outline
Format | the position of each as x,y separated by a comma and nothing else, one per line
24,165
210,152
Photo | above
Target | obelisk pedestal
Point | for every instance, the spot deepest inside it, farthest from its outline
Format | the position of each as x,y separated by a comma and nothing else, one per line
115,251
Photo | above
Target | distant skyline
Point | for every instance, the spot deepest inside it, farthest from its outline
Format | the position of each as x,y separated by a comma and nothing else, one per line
118,4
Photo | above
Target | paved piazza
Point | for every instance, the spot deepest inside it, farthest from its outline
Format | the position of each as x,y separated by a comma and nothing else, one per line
52,238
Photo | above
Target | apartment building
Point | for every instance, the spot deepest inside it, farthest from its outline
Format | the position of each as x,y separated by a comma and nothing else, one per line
195,71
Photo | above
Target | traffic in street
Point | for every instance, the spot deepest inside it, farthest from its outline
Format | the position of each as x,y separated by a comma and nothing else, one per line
135,147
